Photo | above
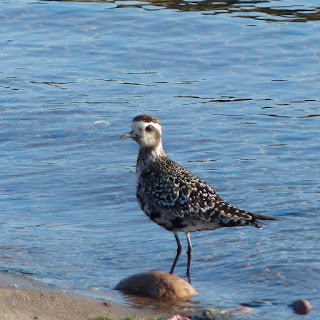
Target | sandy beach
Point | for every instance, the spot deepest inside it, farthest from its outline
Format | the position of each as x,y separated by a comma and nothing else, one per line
21,298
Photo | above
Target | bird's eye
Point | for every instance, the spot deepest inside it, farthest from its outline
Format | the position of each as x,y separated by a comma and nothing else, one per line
149,128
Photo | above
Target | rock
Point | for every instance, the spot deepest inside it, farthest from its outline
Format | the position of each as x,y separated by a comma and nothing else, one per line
302,307
216,314
178,317
157,285
94,289
243,310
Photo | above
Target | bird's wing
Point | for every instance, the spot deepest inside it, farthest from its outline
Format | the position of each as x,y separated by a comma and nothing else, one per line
183,193
186,195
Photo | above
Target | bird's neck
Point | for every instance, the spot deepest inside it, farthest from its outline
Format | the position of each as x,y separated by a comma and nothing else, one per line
148,155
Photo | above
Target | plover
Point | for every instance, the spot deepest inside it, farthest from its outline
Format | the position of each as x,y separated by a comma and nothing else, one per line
175,198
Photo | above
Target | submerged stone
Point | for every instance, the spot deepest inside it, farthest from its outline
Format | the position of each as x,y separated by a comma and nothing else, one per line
216,314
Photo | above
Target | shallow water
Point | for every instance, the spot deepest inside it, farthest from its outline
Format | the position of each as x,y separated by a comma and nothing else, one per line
236,87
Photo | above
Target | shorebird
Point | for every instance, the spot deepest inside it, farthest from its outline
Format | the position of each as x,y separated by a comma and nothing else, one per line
175,198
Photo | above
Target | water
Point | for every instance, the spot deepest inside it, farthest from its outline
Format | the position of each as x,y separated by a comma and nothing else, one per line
236,87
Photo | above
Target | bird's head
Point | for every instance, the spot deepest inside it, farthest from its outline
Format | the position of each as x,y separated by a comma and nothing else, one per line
146,131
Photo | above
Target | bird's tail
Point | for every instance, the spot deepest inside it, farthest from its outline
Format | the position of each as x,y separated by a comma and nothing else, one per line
257,217
262,217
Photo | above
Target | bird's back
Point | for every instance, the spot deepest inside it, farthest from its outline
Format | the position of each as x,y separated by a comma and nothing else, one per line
175,198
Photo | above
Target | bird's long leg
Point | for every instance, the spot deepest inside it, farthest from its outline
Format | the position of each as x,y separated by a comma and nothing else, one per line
179,249
189,252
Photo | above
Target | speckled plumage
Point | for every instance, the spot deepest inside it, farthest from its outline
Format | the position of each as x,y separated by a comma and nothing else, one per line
174,197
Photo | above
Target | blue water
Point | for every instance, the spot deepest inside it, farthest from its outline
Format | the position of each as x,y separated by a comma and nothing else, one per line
236,88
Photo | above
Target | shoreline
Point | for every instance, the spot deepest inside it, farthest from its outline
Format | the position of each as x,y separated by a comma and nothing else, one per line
24,298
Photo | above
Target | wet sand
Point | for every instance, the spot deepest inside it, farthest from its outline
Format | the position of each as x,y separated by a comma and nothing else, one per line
21,298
